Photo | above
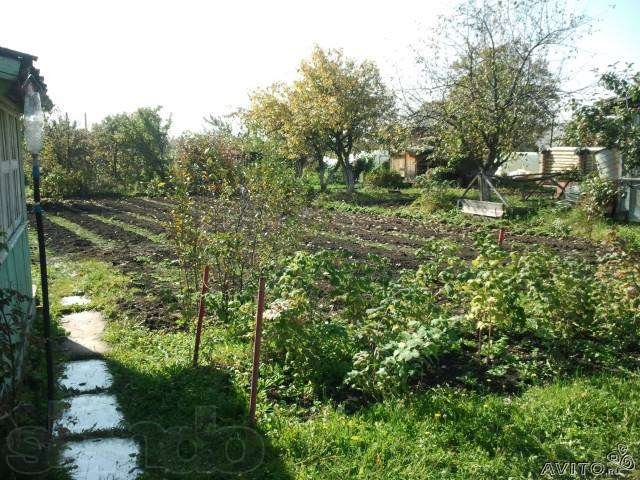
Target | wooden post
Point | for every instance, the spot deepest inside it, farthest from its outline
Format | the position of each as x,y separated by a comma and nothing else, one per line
201,308
501,236
257,340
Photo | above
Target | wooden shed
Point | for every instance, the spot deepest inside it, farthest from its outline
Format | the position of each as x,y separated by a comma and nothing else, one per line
408,164
15,266
563,159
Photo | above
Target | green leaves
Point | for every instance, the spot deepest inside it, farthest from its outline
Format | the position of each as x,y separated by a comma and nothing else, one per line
335,105
522,318
121,154
599,196
612,120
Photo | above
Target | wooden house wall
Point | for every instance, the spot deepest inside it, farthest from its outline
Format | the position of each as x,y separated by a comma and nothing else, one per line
15,266
562,159
408,165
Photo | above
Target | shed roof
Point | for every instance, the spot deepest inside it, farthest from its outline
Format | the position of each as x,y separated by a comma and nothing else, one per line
15,69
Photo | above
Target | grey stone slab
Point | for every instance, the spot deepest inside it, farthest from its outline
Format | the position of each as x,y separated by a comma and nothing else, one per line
84,376
90,413
84,334
73,300
102,459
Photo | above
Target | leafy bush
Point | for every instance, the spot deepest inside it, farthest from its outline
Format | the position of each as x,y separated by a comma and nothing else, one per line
382,176
599,196
68,167
363,164
415,353
59,182
122,154
305,341
434,177
509,320
206,161
235,211
436,197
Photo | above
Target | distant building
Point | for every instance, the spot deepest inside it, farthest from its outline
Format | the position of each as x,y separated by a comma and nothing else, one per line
409,164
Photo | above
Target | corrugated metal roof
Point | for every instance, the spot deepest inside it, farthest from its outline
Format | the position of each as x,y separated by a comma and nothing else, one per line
16,68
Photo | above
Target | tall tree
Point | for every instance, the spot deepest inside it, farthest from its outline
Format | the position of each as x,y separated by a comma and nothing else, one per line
613,120
281,113
345,99
67,163
488,84
110,141
132,147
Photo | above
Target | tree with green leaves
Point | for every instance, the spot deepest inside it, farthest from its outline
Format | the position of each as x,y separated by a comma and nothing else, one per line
347,100
280,113
336,105
133,148
68,166
488,84
613,120
110,140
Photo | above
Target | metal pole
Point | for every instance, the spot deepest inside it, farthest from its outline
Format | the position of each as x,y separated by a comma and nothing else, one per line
203,291
256,353
44,284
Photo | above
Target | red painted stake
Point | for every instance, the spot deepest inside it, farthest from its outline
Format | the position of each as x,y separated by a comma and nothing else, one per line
501,236
257,341
205,289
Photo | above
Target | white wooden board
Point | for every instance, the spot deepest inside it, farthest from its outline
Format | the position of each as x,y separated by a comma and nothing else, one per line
486,209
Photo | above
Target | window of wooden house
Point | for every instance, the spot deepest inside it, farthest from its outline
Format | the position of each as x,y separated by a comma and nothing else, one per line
12,207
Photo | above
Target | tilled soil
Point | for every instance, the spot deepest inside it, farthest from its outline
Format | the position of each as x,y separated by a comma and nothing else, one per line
357,234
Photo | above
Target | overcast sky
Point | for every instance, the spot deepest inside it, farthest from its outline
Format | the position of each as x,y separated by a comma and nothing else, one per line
199,57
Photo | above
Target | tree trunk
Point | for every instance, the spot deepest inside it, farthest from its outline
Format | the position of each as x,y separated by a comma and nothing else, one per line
484,191
322,169
115,162
299,166
488,169
343,152
348,175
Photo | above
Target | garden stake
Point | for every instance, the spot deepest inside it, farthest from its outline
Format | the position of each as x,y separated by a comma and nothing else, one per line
501,236
205,288
256,352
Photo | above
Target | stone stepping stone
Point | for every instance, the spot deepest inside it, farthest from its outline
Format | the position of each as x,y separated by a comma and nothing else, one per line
73,300
102,459
88,414
83,376
84,334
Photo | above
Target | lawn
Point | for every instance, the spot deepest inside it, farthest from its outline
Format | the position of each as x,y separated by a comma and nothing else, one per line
192,421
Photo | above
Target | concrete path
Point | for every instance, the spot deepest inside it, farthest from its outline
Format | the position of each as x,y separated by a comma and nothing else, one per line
89,424
84,334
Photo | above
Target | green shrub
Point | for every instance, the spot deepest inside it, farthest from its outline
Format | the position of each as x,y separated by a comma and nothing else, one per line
382,176
599,196
435,176
304,339
512,319
416,352
59,182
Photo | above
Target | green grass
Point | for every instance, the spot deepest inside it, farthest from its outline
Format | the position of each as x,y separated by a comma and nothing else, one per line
446,433
187,418
441,433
